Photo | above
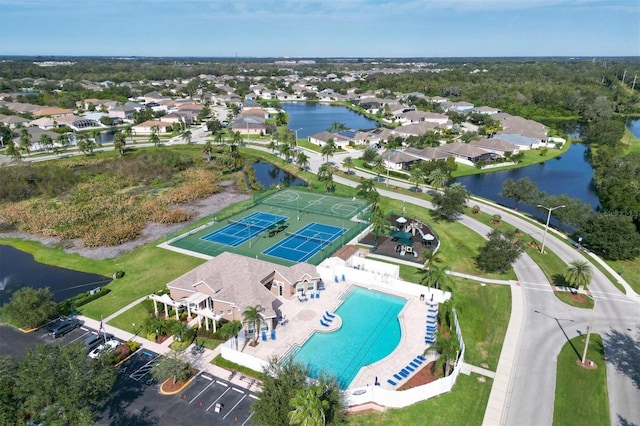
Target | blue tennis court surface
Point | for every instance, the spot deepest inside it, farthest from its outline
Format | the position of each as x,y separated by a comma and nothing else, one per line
244,229
306,242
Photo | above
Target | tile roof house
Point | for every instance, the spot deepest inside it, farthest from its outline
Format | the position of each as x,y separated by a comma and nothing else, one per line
225,286
496,145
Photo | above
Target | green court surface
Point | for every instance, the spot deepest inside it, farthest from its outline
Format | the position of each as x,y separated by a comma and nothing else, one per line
301,209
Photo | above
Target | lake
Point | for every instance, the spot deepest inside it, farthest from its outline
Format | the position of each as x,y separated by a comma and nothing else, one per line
19,269
310,118
267,175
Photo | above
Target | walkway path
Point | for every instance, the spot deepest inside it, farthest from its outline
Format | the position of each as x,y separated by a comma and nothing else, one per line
126,308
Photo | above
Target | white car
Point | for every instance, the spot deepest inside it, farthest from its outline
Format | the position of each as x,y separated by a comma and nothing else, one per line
109,346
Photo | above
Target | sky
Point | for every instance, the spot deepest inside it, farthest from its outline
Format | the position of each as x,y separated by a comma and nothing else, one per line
321,28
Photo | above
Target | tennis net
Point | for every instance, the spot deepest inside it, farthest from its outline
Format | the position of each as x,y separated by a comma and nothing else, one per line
248,225
323,241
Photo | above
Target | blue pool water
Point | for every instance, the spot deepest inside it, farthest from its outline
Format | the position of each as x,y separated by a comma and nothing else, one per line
370,331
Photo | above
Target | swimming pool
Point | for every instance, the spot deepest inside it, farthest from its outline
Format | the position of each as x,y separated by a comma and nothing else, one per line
370,331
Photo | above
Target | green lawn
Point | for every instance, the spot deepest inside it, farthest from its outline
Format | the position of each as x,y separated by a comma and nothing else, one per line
631,143
630,270
581,394
484,314
566,298
464,405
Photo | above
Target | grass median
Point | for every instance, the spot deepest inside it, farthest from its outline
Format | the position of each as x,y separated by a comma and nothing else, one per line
581,394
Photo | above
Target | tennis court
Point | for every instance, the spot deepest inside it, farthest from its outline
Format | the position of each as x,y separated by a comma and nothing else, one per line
305,242
239,231
309,202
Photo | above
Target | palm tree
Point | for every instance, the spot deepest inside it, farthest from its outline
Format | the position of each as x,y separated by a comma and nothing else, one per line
252,316
325,175
378,167
13,152
219,137
328,149
433,276
448,348
46,141
272,145
25,141
348,164
119,142
186,136
437,178
336,126
63,140
302,160
378,222
207,150
416,175
309,407
367,189
578,274
285,150
128,132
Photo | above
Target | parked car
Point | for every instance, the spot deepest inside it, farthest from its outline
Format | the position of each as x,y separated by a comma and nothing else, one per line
105,347
62,326
95,340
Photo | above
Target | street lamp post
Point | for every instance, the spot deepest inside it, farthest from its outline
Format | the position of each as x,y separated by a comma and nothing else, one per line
546,228
296,143
586,343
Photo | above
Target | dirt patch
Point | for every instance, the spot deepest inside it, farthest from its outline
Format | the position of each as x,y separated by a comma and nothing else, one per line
153,231
422,377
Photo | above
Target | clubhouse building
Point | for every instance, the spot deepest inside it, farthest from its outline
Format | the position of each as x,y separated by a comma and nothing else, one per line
223,287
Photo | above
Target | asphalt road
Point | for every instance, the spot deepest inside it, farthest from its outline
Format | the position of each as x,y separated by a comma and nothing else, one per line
548,323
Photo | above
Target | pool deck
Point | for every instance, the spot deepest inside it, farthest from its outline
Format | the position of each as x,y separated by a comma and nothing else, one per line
303,318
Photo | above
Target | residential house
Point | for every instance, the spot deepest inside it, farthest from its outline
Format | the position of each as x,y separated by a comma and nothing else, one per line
53,112
147,127
497,146
321,139
486,110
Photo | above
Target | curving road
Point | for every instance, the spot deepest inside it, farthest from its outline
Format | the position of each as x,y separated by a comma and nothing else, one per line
541,324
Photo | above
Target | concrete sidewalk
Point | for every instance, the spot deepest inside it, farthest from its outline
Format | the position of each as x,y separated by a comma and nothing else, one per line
502,383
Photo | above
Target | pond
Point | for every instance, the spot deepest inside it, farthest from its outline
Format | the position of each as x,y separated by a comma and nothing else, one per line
269,175
569,174
19,269
310,118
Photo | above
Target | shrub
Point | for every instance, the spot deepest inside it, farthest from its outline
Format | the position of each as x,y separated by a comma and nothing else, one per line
133,346
152,336
118,274
66,307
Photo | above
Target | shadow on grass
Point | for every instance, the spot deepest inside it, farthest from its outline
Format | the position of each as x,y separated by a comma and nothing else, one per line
622,351
559,281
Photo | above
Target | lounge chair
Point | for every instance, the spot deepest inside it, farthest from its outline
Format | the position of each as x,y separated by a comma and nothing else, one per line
403,373
324,324
329,314
398,377
410,369
391,382
422,358
317,295
327,320
414,364
264,336
312,295
273,335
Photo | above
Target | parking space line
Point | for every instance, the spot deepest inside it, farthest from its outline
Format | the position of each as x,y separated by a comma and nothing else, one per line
200,393
222,383
238,390
237,403
253,396
142,371
248,418
214,402
204,376
80,337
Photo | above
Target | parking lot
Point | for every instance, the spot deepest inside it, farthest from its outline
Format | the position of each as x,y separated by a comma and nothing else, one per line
136,399
206,400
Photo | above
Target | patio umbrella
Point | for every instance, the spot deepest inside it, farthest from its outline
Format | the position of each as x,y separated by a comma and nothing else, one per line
401,220
429,237
400,235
